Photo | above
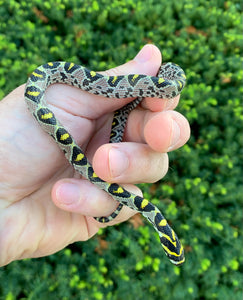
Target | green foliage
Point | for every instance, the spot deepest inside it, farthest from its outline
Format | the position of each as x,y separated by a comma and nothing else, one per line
203,191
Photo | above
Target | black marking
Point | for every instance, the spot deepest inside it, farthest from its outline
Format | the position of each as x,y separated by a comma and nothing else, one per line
51,65
63,136
113,134
158,218
75,81
114,80
129,91
160,82
38,75
180,84
63,76
133,79
117,190
46,116
33,93
103,219
92,76
70,67
139,202
109,91
162,225
78,157
86,82
115,123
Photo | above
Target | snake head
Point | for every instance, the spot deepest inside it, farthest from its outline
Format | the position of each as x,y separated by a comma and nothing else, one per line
172,246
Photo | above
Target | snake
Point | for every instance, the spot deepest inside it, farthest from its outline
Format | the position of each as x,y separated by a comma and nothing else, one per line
167,84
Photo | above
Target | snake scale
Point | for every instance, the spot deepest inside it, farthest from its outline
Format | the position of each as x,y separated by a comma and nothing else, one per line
168,83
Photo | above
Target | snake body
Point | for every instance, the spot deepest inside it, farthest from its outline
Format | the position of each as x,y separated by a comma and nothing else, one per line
167,84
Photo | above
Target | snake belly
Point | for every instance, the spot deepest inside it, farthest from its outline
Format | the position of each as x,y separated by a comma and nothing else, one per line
168,83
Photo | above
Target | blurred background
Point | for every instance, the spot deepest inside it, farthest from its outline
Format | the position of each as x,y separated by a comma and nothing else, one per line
202,193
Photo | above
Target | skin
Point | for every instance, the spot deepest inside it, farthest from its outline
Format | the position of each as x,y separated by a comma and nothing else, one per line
44,204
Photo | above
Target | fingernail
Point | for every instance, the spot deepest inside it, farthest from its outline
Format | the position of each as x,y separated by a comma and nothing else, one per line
176,133
68,194
144,54
119,160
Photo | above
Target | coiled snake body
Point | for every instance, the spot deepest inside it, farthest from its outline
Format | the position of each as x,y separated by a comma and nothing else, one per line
167,84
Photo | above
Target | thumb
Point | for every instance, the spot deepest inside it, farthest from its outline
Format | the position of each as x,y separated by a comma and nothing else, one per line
147,61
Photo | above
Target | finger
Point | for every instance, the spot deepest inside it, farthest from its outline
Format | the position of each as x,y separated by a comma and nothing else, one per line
174,131
82,197
162,131
129,163
147,61
156,105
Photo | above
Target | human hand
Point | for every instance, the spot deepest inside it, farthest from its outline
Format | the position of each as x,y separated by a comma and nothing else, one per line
45,204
